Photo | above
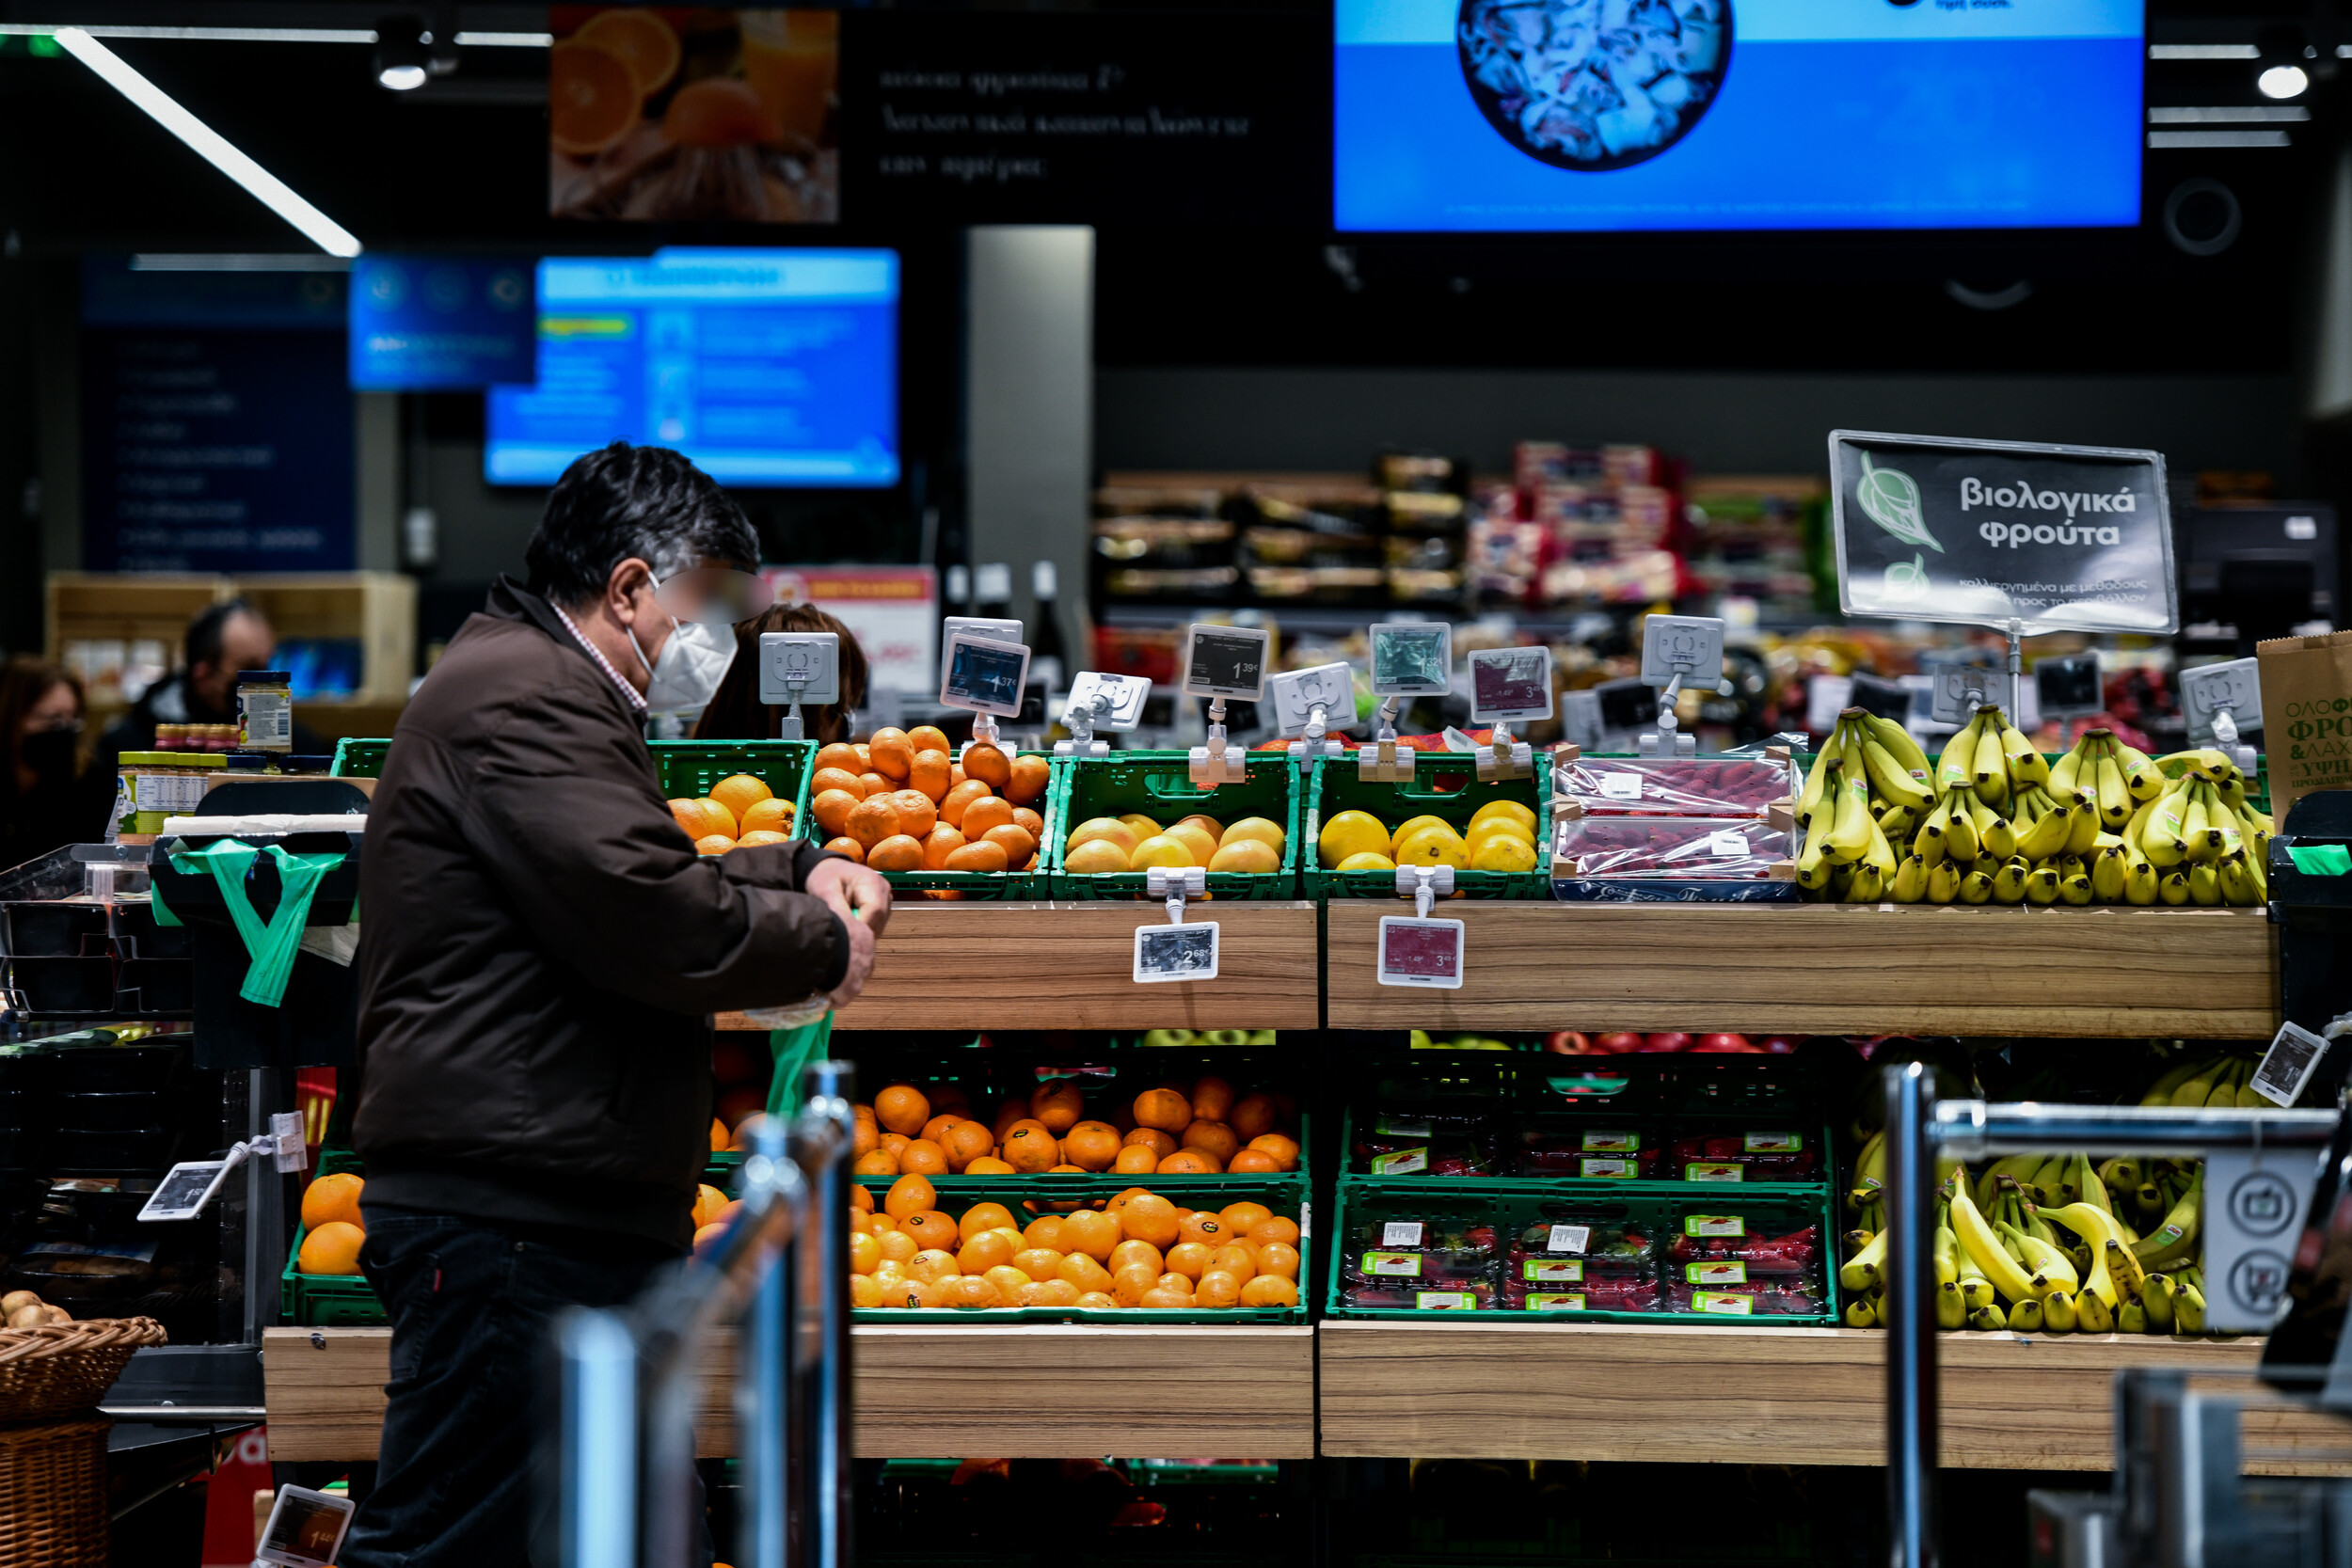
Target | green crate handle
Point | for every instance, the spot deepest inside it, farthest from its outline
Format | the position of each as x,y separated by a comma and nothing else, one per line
1175,786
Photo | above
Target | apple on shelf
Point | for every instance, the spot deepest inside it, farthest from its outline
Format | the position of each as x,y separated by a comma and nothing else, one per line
1572,1042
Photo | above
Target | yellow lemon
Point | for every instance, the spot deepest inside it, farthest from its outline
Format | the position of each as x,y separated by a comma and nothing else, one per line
1351,832
1160,850
1140,824
1503,852
1257,828
1510,809
1247,854
1412,824
1369,861
1095,855
1109,828
1195,838
1431,847
1498,827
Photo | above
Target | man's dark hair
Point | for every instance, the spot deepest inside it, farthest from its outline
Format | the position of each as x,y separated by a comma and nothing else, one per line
620,501
211,629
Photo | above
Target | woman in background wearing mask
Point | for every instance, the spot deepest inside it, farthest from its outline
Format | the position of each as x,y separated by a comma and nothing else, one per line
47,796
735,711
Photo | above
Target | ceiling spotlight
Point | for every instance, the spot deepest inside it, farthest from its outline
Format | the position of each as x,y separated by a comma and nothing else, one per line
401,55
2282,81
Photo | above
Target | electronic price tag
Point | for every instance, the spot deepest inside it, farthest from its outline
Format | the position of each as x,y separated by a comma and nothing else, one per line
2068,687
190,1184
1101,702
1508,685
1176,951
797,667
1409,658
1309,704
985,676
306,1528
2288,1065
1221,662
2221,702
1416,950
1679,651
1957,689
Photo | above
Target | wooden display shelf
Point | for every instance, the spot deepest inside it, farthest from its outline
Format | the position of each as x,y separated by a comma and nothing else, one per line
1017,1390
1023,965
1825,969
1738,1394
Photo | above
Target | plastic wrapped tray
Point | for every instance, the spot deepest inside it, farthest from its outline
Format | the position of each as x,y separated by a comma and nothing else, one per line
1672,787
1749,1154
1598,1149
1669,848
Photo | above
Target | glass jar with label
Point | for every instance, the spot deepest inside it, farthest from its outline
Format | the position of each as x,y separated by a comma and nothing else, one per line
152,786
264,711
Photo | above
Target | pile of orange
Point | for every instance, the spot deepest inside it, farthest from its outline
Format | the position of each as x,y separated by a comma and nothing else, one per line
599,77
1138,1250
330,1214
739,812
901,802
1137,843
1198,1129
713,1209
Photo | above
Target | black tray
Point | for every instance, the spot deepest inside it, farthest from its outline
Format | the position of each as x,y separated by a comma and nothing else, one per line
156,985
54,985
24,1147
135,925
81,1151
113,1111
97,1068
52,930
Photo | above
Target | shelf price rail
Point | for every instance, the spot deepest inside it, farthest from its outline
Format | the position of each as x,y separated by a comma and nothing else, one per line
1918,1130
628,1376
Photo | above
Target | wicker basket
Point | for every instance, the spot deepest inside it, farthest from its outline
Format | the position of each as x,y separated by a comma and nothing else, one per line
66,1367
52,1494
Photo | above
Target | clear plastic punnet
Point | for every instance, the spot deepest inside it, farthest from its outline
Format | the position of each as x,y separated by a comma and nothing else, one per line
1672,787
1669,848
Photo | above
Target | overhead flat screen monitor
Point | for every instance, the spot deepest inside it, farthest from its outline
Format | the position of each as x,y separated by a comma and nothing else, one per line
1646,115
768,368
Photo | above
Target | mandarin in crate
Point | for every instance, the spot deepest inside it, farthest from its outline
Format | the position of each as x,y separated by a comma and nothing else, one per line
1213,1138
1159,1143
1253,1115
1059,1104
333,1248
936,1129
1024,817
932,1263
719,1137
981,816
864,1253
1164,1298
1215,1287
739,792
923,1157
708,1200
1279,1258
959,799
1038,1262
1098,1301
1092,1232
1243,1217
1128,1285
1252,1162
1084,1271
876,784
966,1142
865,1294
860,1197
702,819
850,848
771,816
1151,1218
1007,1281
889,752
1211,1098
988,1164
832,810
903,1108
337,1198
984,1252
1163,1109
1235,1260
1026,785
1126,1195
1269,1289
1130,1252
872,820
916,814
898,852
988,764
1281,1149
1135,1160
1051,1292
717,844
896,1247
1192,1162
1045,1231
839,754
1017,843
983,1217
938,845
836,778
930,737
908,1197
876,1162
1203,1226
1190,1259
1090,1146
932,1232
983,856
933,774
1031,1148
758,836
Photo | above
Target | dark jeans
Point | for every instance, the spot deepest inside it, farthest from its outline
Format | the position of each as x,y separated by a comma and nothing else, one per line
473,1309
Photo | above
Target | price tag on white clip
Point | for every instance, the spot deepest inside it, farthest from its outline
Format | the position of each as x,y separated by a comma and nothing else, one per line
2288,1065
1415,952
1187,952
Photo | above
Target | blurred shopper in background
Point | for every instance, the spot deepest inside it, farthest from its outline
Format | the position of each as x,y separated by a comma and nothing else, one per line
223,638
736,712
49,793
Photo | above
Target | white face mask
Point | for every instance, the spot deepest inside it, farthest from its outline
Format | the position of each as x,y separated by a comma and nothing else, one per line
692,662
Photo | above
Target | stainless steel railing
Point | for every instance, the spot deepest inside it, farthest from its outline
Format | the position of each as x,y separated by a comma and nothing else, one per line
1918,1129
630,1376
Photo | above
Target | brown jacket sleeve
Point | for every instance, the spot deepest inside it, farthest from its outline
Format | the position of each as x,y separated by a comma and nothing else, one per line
606,881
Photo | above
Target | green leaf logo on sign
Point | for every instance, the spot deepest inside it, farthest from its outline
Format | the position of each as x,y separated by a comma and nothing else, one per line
1891,499
1907,579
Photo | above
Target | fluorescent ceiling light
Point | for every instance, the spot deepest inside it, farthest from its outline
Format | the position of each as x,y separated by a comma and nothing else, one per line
2231,113
209,145
270,35
205,261
2203,52
2183,139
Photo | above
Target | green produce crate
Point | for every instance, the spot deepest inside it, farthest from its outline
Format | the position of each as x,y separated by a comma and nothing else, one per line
1334,788
999,885
1156,784
1647,1125
688,769
1021,1198
326,1301
1511,1205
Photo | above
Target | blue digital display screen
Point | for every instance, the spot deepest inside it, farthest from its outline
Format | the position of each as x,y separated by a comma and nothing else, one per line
1593,116
768,368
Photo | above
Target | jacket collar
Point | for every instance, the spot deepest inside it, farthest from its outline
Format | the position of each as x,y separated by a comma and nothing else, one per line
510,600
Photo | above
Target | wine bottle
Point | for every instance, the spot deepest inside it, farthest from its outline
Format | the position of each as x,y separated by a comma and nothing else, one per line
1048,662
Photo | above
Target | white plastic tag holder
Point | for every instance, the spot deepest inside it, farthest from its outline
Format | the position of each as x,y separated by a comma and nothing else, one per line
797,667
282,1143
1424,884
1678,651
1305,702
1505,758
2220,700
1174,884
1101,702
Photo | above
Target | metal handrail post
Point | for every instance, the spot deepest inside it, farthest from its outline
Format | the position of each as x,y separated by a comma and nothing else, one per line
597,1459
1911,1371
759,1394
824,1138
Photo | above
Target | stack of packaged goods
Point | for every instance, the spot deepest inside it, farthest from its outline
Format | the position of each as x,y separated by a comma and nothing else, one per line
1169,543
1312,543
1672,829
1427,500
1748,541
1657,1186
1578,528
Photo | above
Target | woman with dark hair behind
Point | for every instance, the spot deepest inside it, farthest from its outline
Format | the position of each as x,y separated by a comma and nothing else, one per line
48,794
736,712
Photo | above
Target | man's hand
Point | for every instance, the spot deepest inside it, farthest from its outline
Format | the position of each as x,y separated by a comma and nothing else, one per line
861,897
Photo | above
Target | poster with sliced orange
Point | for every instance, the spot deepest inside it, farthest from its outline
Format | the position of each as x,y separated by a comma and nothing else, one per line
660,113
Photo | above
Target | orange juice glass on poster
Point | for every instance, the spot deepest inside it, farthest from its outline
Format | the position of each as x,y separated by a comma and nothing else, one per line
792,60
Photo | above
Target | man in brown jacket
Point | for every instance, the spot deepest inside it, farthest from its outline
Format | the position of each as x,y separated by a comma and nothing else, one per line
541,949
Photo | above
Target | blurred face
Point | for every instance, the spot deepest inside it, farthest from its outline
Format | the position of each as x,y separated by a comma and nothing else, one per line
245,643
57,710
